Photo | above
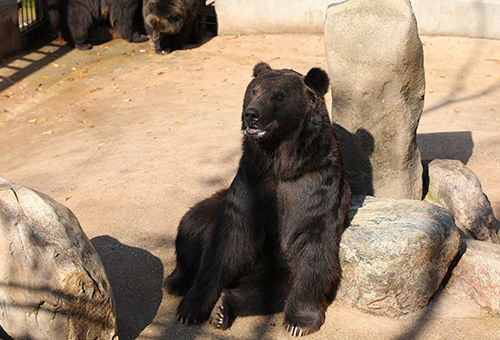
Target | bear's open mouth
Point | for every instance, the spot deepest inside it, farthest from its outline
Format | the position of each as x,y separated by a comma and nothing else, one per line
251,131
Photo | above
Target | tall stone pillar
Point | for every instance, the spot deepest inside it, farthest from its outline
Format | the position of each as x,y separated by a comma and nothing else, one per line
375,61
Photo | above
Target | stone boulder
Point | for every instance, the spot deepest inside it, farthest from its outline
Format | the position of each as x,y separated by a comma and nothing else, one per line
453,186
477,275
375,62
52,283
394,254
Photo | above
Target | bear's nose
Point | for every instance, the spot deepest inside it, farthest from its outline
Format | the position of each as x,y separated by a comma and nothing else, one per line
252,114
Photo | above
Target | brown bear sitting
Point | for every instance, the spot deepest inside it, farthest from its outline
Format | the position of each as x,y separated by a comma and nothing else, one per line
270,242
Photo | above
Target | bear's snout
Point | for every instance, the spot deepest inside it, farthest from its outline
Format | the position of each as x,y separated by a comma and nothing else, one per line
252,119
252,115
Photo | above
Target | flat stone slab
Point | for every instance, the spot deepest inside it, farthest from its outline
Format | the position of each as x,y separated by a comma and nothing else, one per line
52,282
394,254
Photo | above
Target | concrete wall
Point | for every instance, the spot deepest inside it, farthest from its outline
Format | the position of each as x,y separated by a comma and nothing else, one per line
270,16
472,18
469,18
9,31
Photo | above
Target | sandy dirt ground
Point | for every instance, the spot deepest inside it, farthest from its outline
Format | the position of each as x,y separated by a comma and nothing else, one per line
129,140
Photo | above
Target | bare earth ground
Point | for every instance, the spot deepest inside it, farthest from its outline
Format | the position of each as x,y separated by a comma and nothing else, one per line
130,140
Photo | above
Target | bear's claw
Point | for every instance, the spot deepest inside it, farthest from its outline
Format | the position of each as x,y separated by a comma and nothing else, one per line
219,318
295,330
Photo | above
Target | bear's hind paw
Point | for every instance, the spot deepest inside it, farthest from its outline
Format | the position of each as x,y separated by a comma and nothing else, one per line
220,315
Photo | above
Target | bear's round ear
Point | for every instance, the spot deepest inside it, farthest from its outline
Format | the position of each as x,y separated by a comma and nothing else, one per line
261,68
317,79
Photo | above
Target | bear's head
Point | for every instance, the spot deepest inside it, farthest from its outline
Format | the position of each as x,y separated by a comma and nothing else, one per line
164,17
278,102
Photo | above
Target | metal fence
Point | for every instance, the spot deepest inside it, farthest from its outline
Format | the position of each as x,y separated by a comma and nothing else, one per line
208,19
30,13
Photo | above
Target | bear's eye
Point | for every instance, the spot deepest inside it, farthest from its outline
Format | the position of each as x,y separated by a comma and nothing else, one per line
176,18
279,96
254,92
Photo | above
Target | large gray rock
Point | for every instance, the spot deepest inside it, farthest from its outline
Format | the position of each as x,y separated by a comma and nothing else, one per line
375,61
477,275
395,254
52,283
458,189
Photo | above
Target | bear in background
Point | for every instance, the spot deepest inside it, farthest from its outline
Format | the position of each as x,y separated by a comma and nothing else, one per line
270,242
83,22
171,23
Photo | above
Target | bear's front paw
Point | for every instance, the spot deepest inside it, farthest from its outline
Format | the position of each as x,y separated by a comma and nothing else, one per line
192,311
161,51
303,322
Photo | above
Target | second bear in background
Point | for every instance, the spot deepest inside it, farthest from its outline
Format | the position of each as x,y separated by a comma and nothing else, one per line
171,23
83,18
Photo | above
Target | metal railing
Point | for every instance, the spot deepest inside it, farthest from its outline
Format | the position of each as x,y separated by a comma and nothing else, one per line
30,13
207,19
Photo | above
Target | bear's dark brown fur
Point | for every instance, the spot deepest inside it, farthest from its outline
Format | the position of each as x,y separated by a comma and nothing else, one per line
171,23
81,21
270,241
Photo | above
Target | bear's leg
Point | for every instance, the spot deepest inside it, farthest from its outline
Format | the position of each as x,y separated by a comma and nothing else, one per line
52,13
233,245
174,41
315,270
195,35
225,258
190,242
126,30
123,18
138,37
79,22
260,293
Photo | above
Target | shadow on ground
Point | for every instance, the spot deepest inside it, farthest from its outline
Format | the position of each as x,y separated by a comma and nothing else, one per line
170,329
445,145
20,66
136,278
421,323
